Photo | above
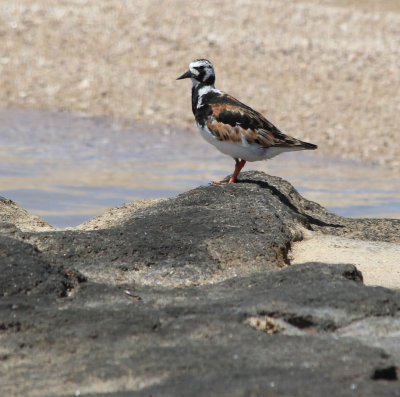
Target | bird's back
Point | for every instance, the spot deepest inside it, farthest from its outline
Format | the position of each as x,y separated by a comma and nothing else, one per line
229,119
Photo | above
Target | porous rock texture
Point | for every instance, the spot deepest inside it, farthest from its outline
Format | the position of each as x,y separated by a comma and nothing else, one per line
195,295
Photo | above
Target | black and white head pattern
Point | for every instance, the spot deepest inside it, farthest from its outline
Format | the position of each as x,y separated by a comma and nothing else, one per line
202,72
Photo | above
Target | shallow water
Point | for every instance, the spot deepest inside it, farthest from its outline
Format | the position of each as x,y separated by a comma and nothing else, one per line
69,168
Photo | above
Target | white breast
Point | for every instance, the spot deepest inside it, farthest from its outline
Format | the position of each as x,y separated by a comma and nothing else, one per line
244,150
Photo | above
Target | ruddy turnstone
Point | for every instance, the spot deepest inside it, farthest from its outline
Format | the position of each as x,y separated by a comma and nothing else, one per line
232,127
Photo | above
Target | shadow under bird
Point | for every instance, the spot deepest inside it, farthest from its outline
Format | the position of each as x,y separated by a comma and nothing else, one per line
231,126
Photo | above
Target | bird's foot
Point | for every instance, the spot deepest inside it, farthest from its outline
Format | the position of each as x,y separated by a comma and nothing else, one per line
219,183
223,182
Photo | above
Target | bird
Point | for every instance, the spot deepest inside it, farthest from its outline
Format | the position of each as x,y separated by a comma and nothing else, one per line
234,128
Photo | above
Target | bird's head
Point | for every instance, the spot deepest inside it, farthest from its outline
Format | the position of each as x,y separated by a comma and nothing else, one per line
201,71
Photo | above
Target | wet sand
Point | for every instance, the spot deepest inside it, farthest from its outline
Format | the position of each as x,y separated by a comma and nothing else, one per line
322,72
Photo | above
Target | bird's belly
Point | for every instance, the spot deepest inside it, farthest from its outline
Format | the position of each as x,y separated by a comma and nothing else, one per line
242,150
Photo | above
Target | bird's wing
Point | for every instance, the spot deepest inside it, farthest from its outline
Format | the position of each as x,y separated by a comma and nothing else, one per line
231,121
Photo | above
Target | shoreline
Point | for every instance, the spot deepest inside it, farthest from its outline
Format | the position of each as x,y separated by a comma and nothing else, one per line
326,77
76,141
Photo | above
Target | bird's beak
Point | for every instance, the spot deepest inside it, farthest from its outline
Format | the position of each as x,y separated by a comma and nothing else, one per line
185,75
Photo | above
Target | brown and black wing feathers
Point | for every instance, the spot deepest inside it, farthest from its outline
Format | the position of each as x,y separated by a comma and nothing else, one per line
230,119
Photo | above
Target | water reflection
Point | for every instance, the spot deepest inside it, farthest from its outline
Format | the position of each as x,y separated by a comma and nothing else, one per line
69,168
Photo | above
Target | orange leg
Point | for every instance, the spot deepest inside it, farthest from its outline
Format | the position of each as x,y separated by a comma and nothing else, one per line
238,167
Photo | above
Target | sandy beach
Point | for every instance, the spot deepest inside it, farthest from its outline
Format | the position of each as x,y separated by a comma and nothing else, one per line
377,261
320,71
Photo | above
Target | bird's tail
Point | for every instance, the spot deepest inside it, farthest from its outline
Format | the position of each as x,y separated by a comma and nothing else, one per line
307,146
288,141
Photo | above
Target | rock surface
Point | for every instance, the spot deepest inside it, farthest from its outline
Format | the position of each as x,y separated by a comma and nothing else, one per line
13,214
194,295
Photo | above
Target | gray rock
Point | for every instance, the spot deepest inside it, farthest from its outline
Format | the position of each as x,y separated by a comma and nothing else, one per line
23,271
194,296
11,212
